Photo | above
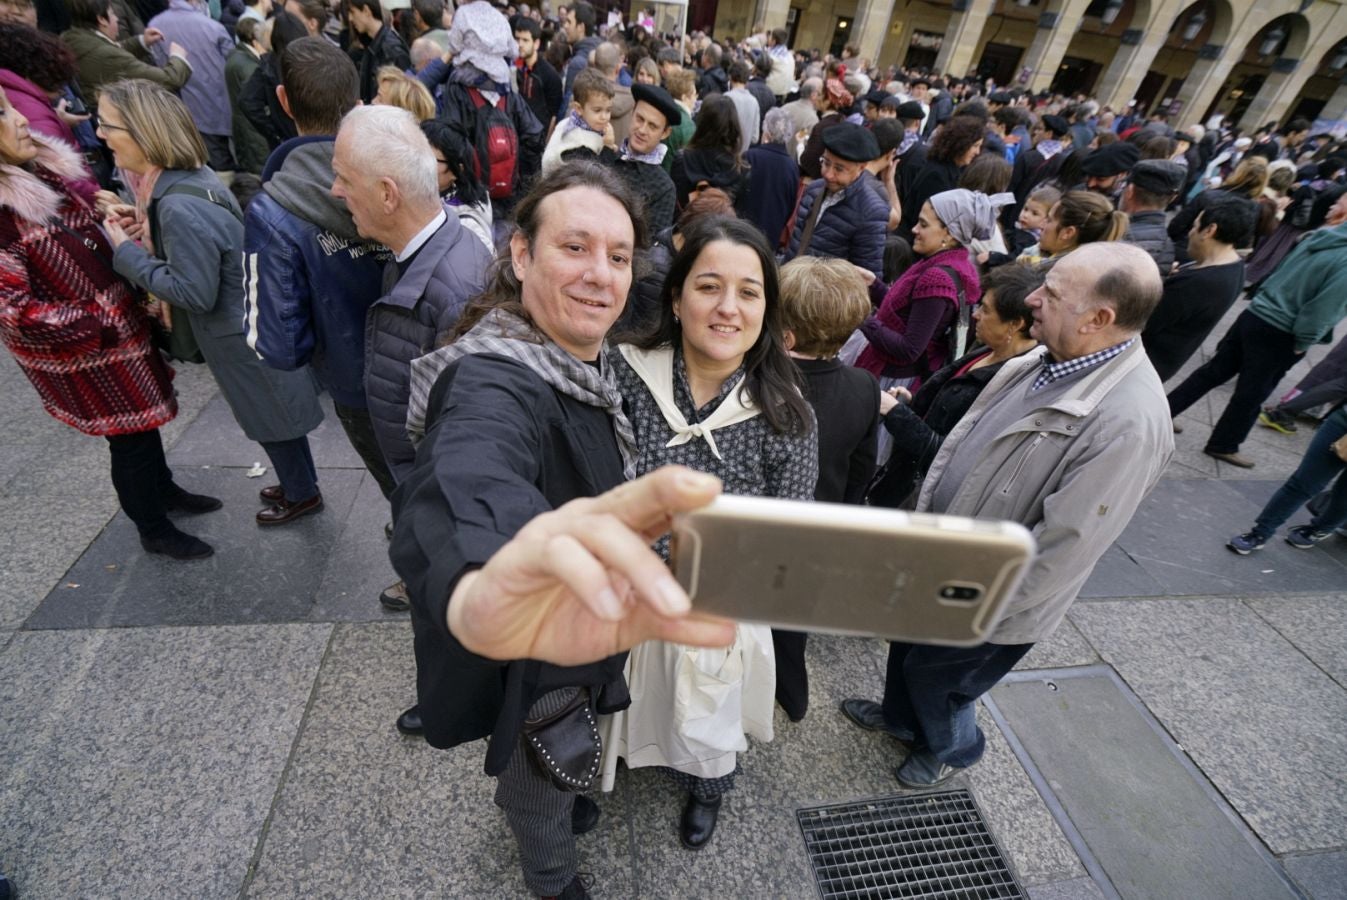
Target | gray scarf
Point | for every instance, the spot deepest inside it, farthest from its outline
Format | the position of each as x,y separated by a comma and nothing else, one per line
505,334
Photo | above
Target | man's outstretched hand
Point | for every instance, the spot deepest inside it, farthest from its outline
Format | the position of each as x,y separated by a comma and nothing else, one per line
581,583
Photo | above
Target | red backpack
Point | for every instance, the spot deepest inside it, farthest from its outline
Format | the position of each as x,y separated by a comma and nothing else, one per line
497,146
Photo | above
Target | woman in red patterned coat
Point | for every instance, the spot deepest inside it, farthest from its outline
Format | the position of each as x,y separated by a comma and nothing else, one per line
80,333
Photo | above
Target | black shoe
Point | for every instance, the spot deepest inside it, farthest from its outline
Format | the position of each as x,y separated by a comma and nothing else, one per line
394,597
870,715
388,531
409,723
177,545
284,512
578,889
699,822
584,815
179,500
7,891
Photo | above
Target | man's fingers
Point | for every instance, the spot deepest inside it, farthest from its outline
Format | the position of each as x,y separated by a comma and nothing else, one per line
623,552
695,630
583,575
648,501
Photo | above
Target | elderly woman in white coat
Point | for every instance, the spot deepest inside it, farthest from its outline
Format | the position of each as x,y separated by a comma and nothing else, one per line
712,388
190,256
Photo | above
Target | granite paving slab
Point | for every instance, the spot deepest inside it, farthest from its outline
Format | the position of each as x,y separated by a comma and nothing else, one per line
215,439
1155,829
1259,717
1178,537
1316,625
1119,575
256,575
1066,647
142,762
1075,889
358,567
1322,875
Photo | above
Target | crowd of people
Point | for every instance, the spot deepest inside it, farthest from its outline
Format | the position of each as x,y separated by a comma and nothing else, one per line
553,272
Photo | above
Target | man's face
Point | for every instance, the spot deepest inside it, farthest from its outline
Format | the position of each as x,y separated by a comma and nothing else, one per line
1061,308
18,11
887,112
648,128
918,92
574,30
526,46
574,280
1337,213
1103,184
294,9
839,173
363,195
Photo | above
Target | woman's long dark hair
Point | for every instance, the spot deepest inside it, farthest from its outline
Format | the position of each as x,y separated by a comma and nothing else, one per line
718,127
453,141
771,379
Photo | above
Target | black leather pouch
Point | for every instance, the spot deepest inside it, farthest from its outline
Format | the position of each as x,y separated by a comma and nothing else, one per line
566,745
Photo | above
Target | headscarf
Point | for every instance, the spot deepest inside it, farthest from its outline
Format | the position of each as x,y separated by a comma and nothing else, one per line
482,38
969,215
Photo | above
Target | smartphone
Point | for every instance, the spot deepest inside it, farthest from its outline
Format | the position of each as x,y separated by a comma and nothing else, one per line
856,570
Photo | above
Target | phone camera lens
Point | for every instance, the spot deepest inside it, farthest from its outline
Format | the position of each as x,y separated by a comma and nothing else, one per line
960,593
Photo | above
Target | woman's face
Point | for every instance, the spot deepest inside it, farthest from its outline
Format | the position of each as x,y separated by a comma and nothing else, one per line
930,234
721,305
991,329
970,154
16,142
645,76
1056,238
443,174
126,153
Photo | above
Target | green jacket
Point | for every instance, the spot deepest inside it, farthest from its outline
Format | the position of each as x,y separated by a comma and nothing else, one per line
250,148
678,138
1307,294
102,61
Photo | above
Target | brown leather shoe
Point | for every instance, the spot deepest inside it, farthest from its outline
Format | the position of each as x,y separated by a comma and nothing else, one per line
1233,459
272,493
284,512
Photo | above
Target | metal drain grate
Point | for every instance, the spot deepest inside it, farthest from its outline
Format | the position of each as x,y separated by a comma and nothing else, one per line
914,845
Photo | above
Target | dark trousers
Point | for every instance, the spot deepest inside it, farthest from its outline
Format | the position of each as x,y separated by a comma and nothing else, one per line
293,462
1259,355
929,693
1320,466
142,479
355,421
792,678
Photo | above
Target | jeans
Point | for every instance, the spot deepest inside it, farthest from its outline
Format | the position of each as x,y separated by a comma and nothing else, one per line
293,462
142,479
930,692
1260,355
360,432
1319,466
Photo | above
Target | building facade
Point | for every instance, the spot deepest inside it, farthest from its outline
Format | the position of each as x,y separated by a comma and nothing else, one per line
1254,62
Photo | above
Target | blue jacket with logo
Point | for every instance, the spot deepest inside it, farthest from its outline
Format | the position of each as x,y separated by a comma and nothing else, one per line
308,277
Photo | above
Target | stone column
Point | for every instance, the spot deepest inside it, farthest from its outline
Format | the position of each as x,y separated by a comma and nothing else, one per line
1275,97
1055,31
1337,104
1208,75
771,13
872,24
962,36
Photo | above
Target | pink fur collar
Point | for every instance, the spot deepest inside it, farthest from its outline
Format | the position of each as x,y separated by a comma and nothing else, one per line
29,196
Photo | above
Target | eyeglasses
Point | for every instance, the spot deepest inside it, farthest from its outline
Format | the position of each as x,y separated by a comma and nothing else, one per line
107,126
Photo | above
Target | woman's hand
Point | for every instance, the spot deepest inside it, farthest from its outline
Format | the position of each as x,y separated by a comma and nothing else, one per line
892,397
65,115
580,583
117,235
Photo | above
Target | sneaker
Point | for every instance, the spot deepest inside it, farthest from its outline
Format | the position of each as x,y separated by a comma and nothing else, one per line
1244,544
394,597
870,715
1273,418
1303,537
923,770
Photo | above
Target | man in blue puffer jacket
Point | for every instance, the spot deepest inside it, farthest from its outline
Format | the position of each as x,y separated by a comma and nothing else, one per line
308,276
839,214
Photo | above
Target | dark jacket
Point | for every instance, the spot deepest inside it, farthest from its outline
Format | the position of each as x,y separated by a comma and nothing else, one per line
1194,300
384,49
311,276
420,302
692,166
259,103
642,311
1183,220
763,94
846,403
934,178
501,447
457,106
1146,229
578,62
540,87
250,147
773,184
655,188
713,81
919,429
942,107
853,228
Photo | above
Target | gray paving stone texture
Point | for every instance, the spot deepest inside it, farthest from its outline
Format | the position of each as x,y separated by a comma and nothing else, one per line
1323,876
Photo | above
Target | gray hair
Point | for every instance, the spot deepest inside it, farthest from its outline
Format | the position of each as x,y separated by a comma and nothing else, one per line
424,49
810,86
389,144
778,126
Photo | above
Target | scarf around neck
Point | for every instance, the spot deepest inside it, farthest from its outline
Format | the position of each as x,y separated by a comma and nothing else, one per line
654,157
656,369
1048,148
505,334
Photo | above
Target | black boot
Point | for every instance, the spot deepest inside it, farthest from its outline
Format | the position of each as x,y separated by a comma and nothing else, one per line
179,500
699,822
410,724
584,815
176,545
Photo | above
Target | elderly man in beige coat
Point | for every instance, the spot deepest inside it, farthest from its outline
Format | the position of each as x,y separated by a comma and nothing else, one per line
1066,440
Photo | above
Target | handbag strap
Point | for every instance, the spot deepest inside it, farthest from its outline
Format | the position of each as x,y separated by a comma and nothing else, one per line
211,196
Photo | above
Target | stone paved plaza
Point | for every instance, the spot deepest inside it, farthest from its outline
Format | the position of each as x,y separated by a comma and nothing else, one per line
224,729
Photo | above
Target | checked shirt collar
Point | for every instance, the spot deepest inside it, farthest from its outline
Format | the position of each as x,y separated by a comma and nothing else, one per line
1055,371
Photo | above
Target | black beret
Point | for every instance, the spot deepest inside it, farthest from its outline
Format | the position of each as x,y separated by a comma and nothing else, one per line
1056,124
877,97
1111,159
851,142
1001,97
1159,176
911,110
1185,137
919,79
659,98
